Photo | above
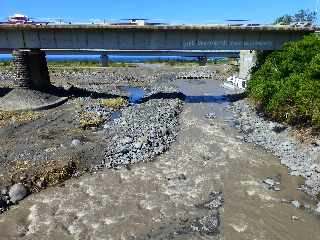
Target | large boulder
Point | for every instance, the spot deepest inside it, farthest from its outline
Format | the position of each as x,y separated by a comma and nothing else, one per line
17,192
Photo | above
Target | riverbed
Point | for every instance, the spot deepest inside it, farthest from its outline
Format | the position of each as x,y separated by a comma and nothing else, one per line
208,184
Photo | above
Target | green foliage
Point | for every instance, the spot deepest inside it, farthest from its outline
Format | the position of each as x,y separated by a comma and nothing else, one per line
285,19
287,83
5,64
300,16
305,16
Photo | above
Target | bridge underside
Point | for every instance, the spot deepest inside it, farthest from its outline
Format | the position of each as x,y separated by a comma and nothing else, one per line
186,53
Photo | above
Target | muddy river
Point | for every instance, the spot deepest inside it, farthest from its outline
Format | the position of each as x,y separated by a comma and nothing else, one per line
162,199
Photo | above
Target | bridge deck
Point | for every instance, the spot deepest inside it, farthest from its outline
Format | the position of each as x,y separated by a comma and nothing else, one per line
148,38
213,27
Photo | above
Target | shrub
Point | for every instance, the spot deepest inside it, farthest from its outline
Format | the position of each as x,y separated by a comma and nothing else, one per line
7,117
88,120
114,103
286,84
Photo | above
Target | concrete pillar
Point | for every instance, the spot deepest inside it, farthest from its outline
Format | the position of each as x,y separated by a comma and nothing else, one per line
104,60
203,61
31,69
248,60
39,70
22,69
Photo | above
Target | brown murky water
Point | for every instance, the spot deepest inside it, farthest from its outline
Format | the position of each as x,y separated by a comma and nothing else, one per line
154,200
251,210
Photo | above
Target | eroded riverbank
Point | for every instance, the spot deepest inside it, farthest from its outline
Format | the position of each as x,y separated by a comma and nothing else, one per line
300,156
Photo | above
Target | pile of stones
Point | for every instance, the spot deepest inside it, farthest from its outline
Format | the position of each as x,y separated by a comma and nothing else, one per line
88,77
199,73
143,132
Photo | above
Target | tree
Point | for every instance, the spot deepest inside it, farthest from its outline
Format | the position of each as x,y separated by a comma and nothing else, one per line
305,16
285,19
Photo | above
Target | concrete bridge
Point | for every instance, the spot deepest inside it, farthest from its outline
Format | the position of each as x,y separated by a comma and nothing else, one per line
29,43
152,38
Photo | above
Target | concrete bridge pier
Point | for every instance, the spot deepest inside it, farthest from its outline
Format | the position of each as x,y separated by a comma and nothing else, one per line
203,61
248,59
33,90
31,69
104,60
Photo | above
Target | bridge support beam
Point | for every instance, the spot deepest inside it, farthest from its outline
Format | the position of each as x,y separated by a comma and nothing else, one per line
104,60
203,61
248,60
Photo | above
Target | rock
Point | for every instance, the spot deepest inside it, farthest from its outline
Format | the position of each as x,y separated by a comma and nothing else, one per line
182,177
295,173
283,200
207,225
4,191
124,150
137,145
159,150
296,203
247,129
216,201
41,183
240,138
317,210
17,192
210,116
315,167
76,142
126,140
3,205
270,183
276,189
163,130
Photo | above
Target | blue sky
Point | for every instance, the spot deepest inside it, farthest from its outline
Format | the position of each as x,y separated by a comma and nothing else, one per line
172,11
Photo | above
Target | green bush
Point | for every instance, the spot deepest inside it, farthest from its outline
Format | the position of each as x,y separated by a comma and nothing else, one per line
286,84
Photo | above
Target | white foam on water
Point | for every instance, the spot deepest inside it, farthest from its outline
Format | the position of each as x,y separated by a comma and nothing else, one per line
109,221
251,192
148,205
240,227
74,230
250,183
33,219
81,214
91,191
95,225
